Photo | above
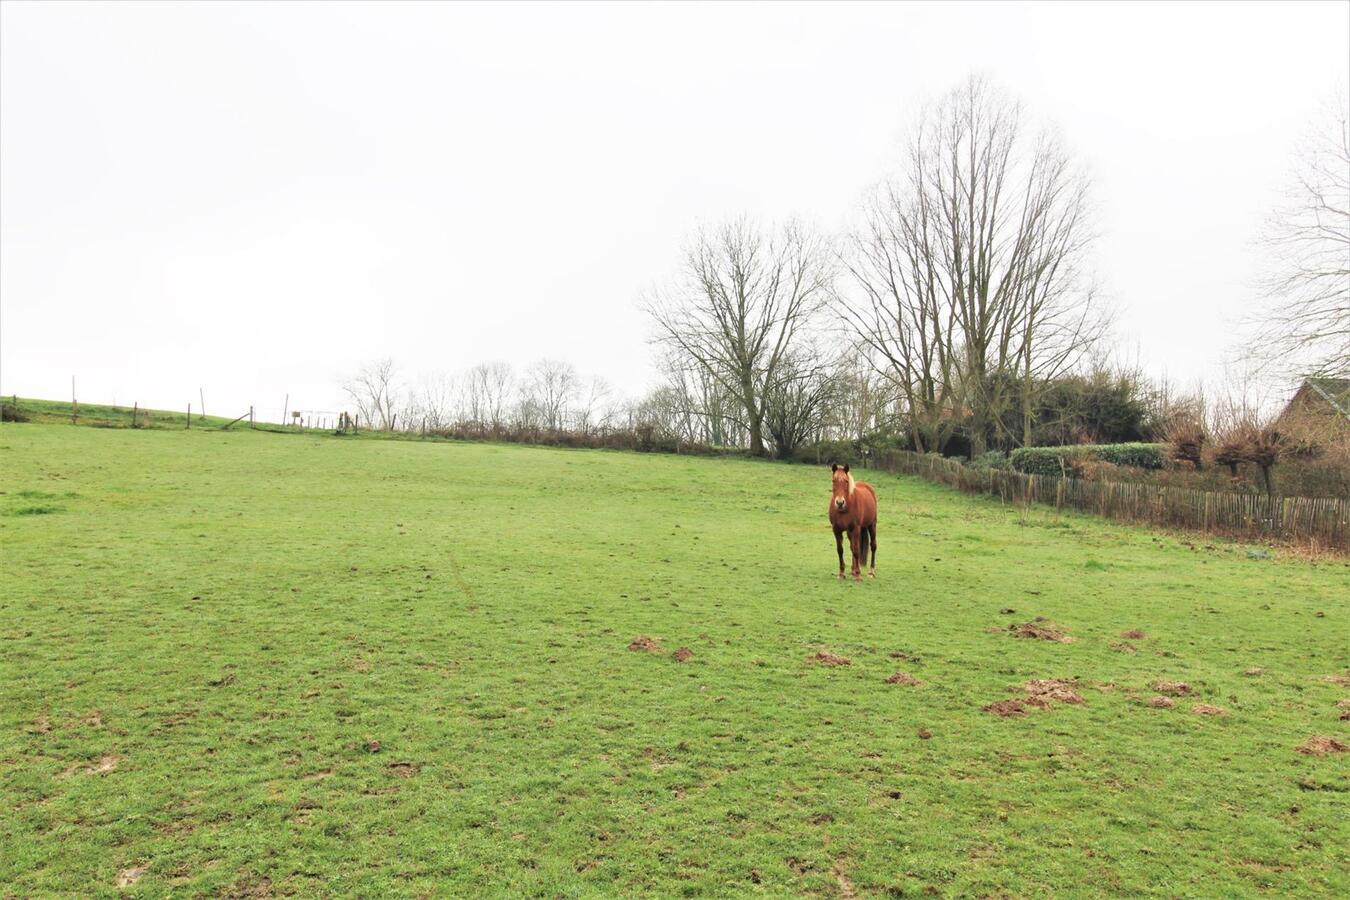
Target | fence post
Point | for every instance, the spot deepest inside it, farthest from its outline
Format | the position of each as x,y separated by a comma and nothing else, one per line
135,407
250,417
189,424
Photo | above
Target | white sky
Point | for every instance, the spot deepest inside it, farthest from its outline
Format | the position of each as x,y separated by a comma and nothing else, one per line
253,198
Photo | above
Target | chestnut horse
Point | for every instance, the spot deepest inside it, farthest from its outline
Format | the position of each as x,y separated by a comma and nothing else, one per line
853,508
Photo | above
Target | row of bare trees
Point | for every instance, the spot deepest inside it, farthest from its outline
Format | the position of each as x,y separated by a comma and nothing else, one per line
954,308
549,395
964,287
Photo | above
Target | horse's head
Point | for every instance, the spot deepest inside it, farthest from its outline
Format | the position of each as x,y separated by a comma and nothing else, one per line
843,486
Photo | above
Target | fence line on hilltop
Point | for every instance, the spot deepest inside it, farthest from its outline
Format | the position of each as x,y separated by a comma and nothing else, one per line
1323,520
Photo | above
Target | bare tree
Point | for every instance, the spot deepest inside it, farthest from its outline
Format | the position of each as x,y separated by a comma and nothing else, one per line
1305,325
435,401
742,300
799,399
487,394
376,394
865,398
970,268
552,386
593,410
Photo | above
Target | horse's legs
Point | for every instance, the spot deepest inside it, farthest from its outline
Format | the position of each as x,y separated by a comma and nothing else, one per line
839,545
872,532
855,534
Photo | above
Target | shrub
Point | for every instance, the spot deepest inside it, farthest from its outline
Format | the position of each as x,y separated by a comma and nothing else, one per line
1065,460
1140,456
994,459
1041,460
10,412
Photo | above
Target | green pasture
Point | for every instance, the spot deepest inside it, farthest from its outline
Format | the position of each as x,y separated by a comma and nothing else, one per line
251,663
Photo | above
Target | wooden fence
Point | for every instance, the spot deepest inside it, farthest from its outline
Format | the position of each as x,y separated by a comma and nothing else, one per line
1321,520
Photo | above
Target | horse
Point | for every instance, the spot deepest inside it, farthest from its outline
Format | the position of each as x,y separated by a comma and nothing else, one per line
853,508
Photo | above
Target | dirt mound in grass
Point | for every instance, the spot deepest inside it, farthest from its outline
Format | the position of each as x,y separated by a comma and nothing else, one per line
1321,745
1204,709
903,678
682,654
1175,688
829,659
1254,671
1339,678
1045,691
1006,708
403,769
1125,647
644,644
1134,634
1162,702
1040,629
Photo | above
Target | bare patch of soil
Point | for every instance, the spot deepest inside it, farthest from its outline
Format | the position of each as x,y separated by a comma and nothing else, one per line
1204,709
1321,745
644,644
1006,708
1162,702
682,654
1254,671
1134,634
1125,647
1175,688
924,734
128,877
403,769
1044,691
903,678
1339,678
101,766
826,658
846,889
1040,629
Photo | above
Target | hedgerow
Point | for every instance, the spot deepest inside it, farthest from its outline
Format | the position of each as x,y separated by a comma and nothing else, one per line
1061,460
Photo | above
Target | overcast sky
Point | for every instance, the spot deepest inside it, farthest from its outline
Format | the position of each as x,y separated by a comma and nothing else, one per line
253,198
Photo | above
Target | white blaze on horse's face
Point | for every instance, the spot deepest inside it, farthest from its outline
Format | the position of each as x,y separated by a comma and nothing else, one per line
843,487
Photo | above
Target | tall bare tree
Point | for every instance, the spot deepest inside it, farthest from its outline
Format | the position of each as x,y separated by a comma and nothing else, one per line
970,266
798,401
593,407
1304,324
375,391
434,403
552,385
743,298
487,394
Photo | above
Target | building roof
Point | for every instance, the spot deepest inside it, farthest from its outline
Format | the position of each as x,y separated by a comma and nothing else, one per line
1335,391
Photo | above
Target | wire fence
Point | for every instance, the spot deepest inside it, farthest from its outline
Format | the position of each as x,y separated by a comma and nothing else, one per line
1323,521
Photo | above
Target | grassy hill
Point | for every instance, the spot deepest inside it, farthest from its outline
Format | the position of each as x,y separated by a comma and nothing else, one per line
237,662
103,415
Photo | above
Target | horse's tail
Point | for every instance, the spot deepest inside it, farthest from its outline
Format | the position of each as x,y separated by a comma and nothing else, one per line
863,544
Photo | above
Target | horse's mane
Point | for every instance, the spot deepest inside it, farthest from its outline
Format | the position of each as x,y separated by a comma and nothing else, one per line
851,484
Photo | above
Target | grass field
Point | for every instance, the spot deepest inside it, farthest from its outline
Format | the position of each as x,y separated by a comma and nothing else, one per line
203,635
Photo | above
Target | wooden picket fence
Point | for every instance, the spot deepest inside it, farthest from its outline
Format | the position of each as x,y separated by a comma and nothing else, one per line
1324,521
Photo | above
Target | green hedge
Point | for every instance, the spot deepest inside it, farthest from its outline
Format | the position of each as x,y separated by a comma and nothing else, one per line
1055,460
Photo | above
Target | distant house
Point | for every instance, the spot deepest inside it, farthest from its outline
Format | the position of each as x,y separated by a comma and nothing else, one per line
1329,397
